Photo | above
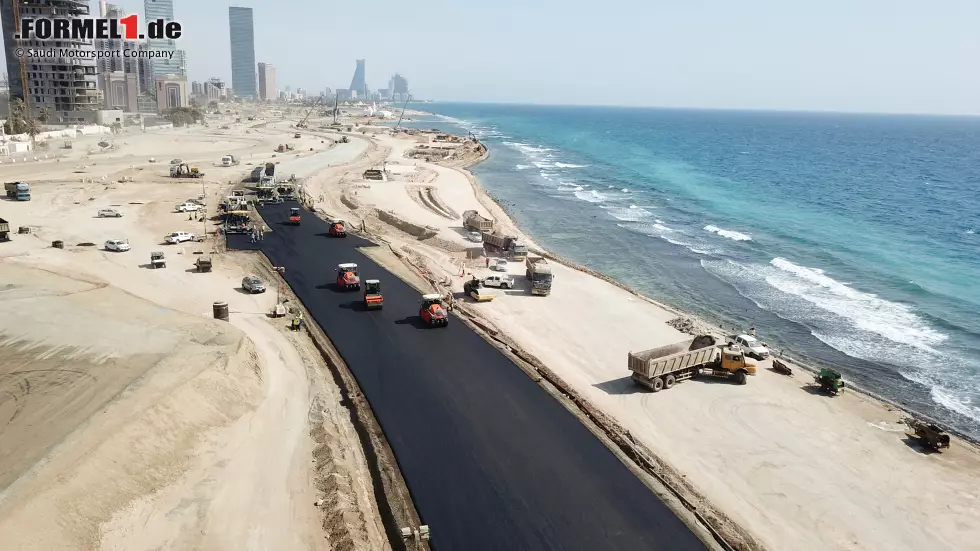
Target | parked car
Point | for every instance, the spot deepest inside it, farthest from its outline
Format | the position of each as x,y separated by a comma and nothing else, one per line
475,236
752,346
179,237
188,207
502,281
253,284
117,245
109,213
499,265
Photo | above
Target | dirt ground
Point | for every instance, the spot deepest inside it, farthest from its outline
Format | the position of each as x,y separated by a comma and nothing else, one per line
795,469
129,418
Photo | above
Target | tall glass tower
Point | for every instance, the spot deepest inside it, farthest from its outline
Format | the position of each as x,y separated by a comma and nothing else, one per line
161,66
242,52
358,84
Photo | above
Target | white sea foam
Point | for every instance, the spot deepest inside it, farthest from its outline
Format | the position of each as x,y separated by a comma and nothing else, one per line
527,148
522,167
568,165
570,186
591,196
540,164
626,190
730,234
676,237
631,214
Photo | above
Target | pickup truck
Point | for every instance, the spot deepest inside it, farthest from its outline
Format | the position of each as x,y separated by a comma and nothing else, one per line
502,281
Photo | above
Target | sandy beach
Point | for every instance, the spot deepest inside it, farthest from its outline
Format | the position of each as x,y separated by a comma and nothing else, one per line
788,467
129,419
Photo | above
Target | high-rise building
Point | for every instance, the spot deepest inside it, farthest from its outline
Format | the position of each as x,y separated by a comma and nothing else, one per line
175,61
267,82
399,84
358,84
214,89
117,60
67,86
242,51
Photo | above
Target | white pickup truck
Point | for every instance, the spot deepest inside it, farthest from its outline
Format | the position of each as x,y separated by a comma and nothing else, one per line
502,281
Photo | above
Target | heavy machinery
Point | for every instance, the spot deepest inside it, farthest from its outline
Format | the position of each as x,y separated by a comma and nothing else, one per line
343,139
539,272
302,123
929,434
294,216
284,147
158,260
18,191
4,230
660,368
337,229
830,381
474,221
373,299
475,289
432,311
297,136
203,264
182,170
347,279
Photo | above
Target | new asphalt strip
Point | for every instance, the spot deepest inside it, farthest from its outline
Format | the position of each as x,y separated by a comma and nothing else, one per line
493,462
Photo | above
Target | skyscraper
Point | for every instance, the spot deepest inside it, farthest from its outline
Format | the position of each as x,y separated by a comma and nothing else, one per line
267,82
358,84
176,64
242,51
66,85
399,84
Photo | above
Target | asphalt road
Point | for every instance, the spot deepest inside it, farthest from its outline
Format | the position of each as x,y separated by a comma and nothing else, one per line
493,462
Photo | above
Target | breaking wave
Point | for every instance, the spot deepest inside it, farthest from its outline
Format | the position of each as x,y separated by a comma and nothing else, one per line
591,196
522,167
568,165
730,234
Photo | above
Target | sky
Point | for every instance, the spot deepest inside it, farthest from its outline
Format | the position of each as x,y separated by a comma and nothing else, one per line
896,56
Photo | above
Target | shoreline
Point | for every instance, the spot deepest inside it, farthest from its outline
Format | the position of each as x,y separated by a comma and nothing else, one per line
748,460
485,196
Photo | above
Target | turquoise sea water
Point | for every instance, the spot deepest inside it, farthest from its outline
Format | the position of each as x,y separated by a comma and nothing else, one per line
848,240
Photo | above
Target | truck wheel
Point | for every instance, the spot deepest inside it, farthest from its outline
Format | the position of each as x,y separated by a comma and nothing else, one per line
740,378
504,286
669,381
657,384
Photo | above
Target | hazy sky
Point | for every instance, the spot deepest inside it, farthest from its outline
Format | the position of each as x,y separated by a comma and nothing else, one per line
847,55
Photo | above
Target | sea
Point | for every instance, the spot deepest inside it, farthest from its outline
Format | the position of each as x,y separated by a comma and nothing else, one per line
845,240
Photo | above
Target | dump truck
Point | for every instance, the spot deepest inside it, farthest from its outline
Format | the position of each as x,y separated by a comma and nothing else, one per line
929,434
347,279
432,312
18,191
539,273
294,216
4,230
373,174
474,221
660,368
508,244
373,299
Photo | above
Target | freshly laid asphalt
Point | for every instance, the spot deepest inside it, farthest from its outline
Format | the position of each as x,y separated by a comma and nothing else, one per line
493,462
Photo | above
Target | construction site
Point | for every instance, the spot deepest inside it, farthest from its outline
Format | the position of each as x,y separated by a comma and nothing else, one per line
186,321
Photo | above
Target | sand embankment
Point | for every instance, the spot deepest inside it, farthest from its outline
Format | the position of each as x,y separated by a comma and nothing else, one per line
794,469
129,418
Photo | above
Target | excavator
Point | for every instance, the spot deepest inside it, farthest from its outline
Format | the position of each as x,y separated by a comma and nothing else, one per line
347,279
182,170
294,216
337,229
373,299
432,312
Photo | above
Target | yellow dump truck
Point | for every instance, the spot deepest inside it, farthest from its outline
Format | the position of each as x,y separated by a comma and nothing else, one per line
660,368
